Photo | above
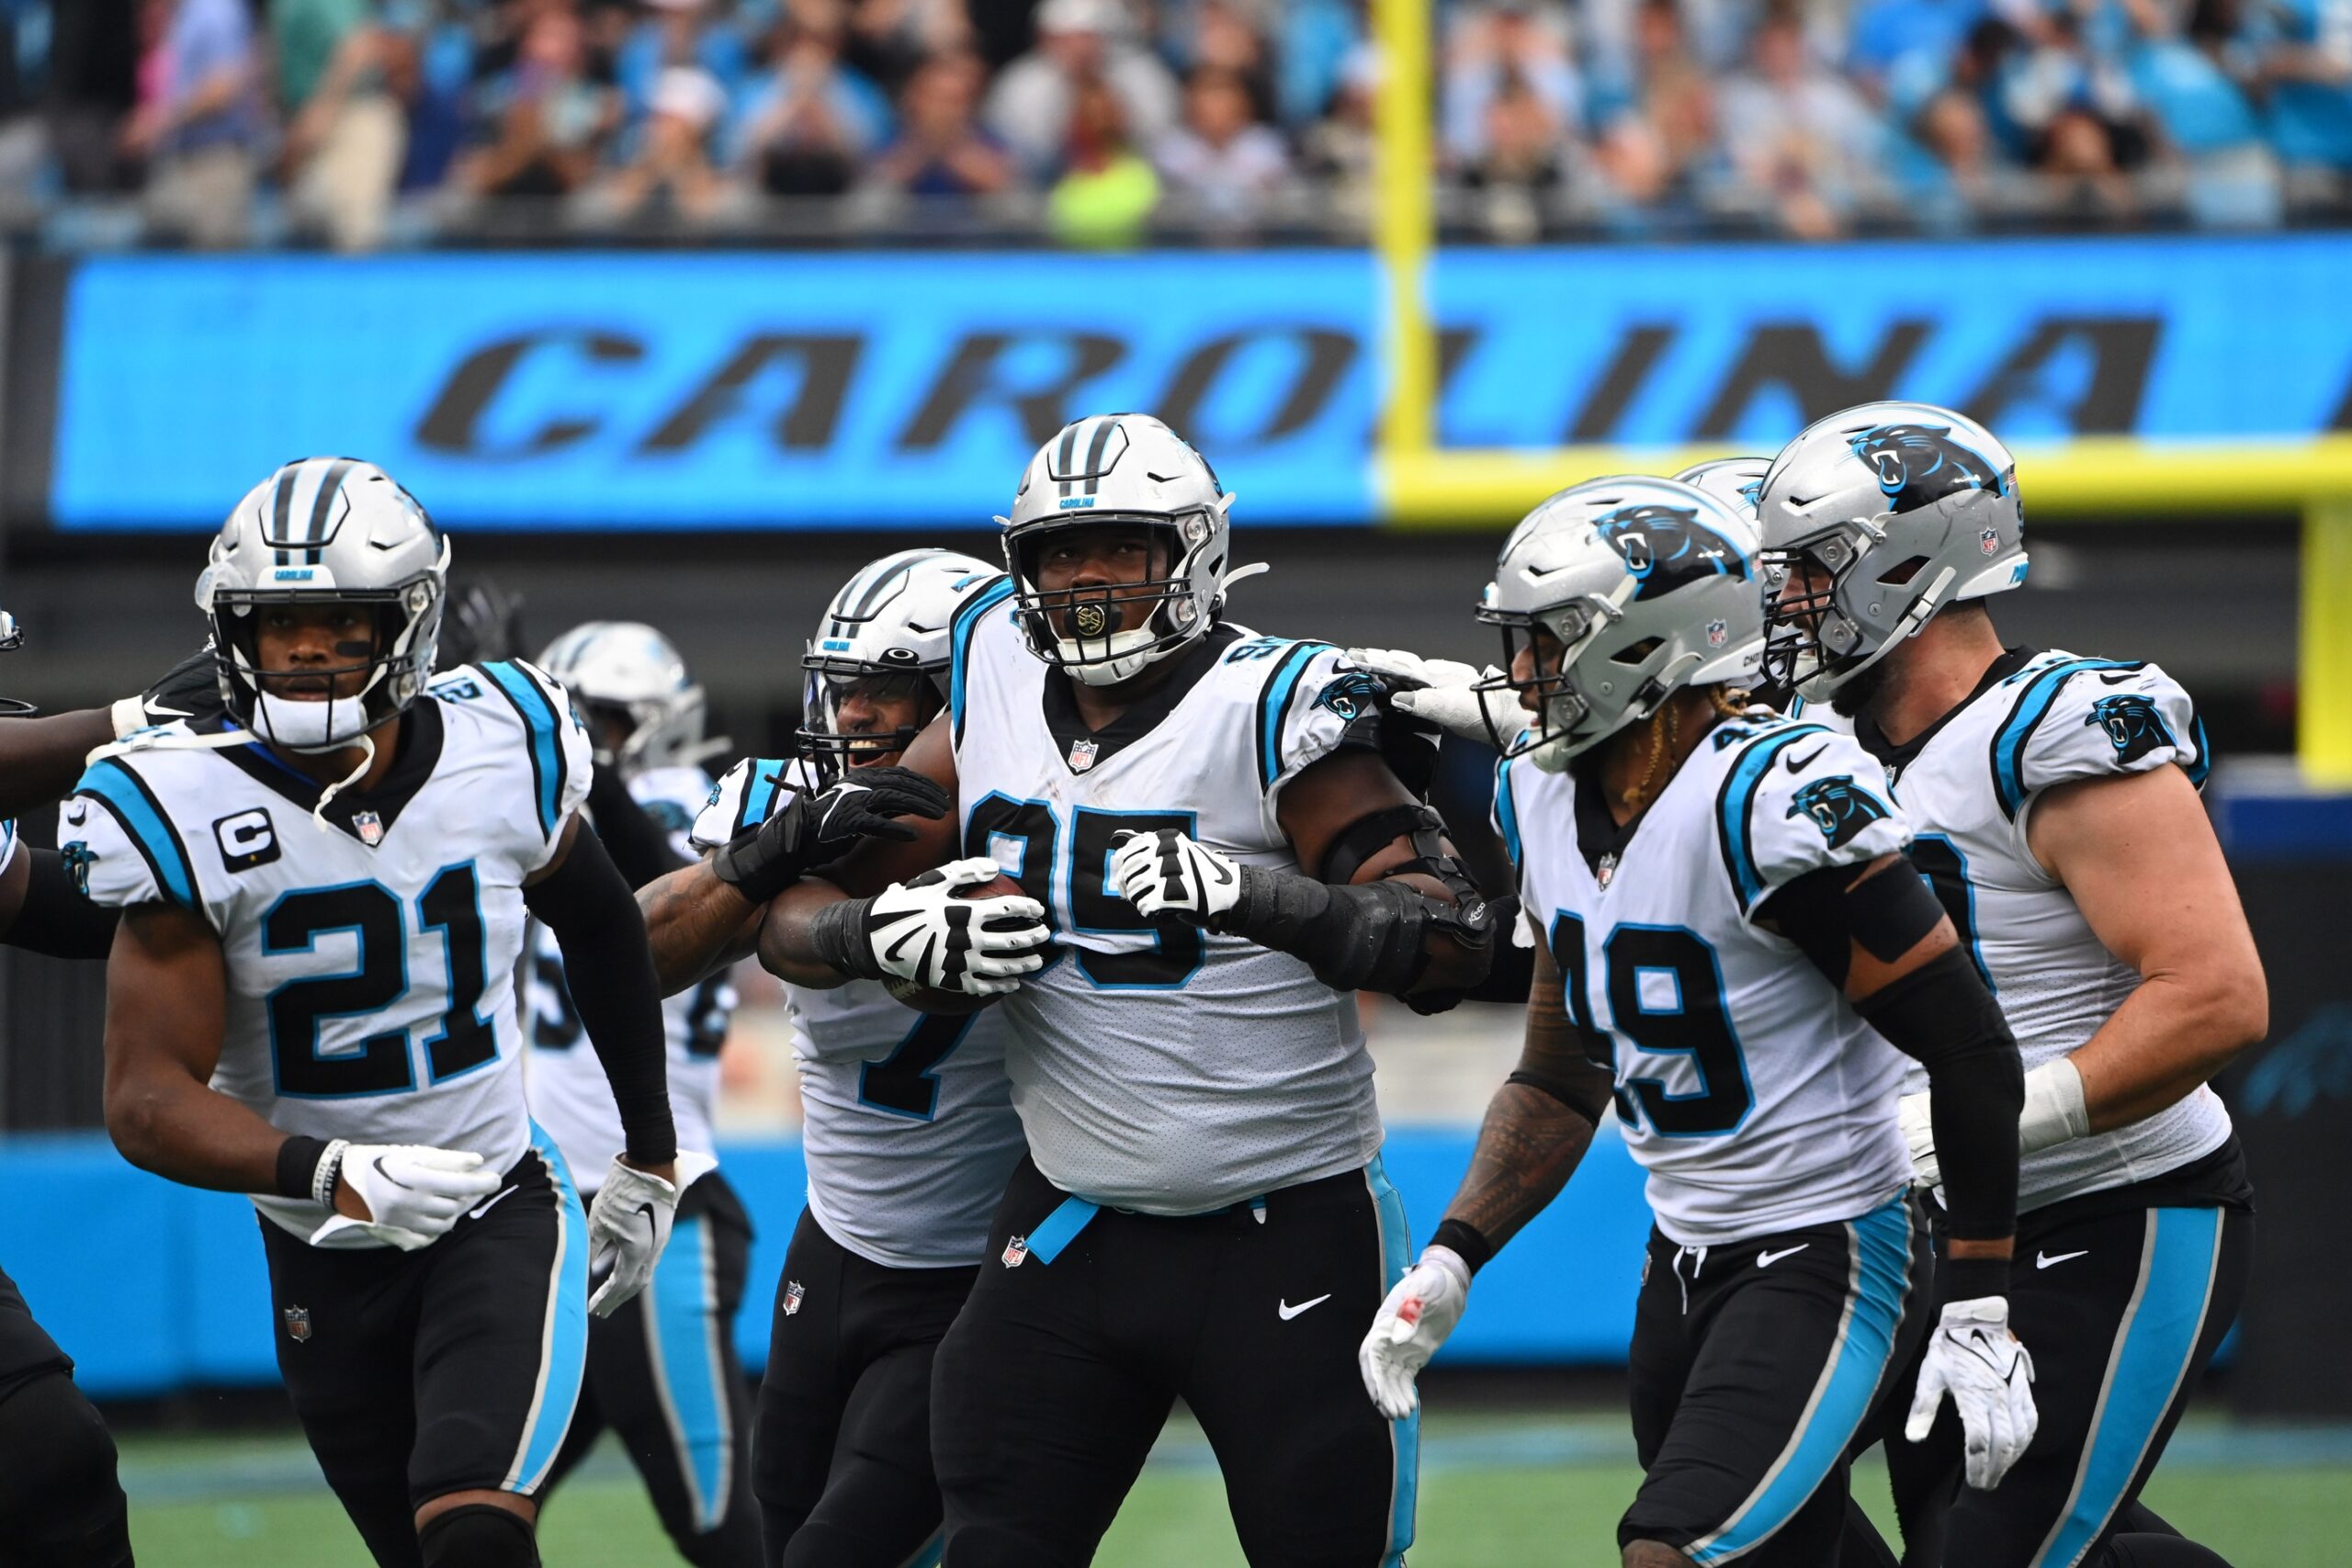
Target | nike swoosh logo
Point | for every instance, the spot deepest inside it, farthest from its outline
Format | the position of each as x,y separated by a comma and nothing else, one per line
2117,678
1798,764
2043,1259
1766,1260
489,1203
1222,875
1284,1311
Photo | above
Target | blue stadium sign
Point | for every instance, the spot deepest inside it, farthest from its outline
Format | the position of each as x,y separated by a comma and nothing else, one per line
554,390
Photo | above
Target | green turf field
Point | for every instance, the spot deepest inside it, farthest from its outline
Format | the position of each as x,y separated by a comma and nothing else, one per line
1494,1490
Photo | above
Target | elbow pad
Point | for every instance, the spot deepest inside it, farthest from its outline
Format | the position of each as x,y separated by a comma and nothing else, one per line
1371,938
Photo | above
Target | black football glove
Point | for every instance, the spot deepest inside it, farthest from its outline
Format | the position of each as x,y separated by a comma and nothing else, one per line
190,689
815,828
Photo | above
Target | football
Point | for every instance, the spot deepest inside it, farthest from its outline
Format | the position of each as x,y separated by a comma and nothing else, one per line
925,998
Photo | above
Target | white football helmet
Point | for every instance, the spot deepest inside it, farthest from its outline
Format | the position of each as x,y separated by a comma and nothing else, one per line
1899,509
639,678
326,530
1739,481
1648,585
885,632
1120,468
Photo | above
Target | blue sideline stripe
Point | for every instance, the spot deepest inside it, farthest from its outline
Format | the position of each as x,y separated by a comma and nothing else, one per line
2010,740
1395,1244
538,714
566,1347
1507,811
114,785
1060,1228
1739,798
2159,1340
959,644
1273,707
1858,1362
682,1330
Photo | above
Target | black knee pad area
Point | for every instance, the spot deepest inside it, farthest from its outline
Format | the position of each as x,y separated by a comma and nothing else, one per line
479,1536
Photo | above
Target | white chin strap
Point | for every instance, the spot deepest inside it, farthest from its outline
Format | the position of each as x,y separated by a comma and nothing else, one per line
1130,653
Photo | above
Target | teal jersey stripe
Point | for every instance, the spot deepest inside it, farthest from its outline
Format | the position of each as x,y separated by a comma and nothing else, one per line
959,644
1507,814
762,782
531,701
1737,798
2159,1340
684,1310
2033,706
567,1339
2203,767
125,795
1881,1241
1395,1251
1273,707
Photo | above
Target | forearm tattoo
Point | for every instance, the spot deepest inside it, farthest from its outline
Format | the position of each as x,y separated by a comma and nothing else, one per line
1530,1143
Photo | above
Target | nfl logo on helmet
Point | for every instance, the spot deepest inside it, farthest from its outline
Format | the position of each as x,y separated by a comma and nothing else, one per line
1989,541
1718,633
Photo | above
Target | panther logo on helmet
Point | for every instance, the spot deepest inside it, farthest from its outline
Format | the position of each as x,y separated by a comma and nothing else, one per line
1919,464
1665,546
1838,806
2132,723
1351,696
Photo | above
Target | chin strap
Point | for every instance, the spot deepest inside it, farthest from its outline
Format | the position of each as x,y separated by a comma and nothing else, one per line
367,758
181,740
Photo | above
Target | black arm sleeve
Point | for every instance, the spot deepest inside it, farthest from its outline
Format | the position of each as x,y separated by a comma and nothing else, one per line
54,917
1942,1014
610,971
639,845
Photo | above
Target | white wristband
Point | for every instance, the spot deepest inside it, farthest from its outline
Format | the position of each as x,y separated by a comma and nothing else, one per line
127,714
2054,1112
329,1169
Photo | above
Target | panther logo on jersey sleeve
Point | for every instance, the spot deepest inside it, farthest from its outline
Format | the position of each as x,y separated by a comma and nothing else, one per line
1351,696
1919,464
1838,806
1665,546
2133,724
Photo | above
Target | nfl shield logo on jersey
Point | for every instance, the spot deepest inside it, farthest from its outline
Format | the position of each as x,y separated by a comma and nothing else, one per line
792,1292
370,826
297,1324
1989,541
1016,1252
1082,754
1604,868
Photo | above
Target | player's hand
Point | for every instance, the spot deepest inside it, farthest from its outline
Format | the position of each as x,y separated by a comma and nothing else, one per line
1919,1132
920,930
821,824
1410,1324
188,689
1441,691
628,1226
410,1194
1165,873
1973,1356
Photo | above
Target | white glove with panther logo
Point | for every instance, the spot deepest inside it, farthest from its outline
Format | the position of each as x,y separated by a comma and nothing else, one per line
1973,1356
1441,691
1165,873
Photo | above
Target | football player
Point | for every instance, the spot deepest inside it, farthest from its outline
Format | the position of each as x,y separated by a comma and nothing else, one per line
310,999
908,1123
2055,800
1733,950
1224,858
663,1372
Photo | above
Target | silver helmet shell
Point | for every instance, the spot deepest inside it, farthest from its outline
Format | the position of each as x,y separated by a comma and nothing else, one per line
1120,468
1739,481
889,624
1893,509
632,669
1648,585
326,531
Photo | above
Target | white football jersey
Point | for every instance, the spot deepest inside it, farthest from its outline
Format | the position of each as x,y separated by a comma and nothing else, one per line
370,963
1161,1068
907,1119
569,1092
1968,785
1747,1087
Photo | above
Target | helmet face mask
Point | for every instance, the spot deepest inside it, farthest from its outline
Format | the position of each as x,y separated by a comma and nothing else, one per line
875,672
326,532
1100,627
833,737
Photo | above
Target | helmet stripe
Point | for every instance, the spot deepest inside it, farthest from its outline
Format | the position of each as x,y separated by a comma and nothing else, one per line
330,486
1104,429
281,507
1069,450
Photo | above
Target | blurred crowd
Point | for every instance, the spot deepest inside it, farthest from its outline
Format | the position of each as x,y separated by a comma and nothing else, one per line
361,123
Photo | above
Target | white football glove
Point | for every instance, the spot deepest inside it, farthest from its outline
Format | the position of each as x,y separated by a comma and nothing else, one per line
1438,690
1165,873
1973,1356
414,1192
1919,1132
920,930
1410,1324
629,1224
